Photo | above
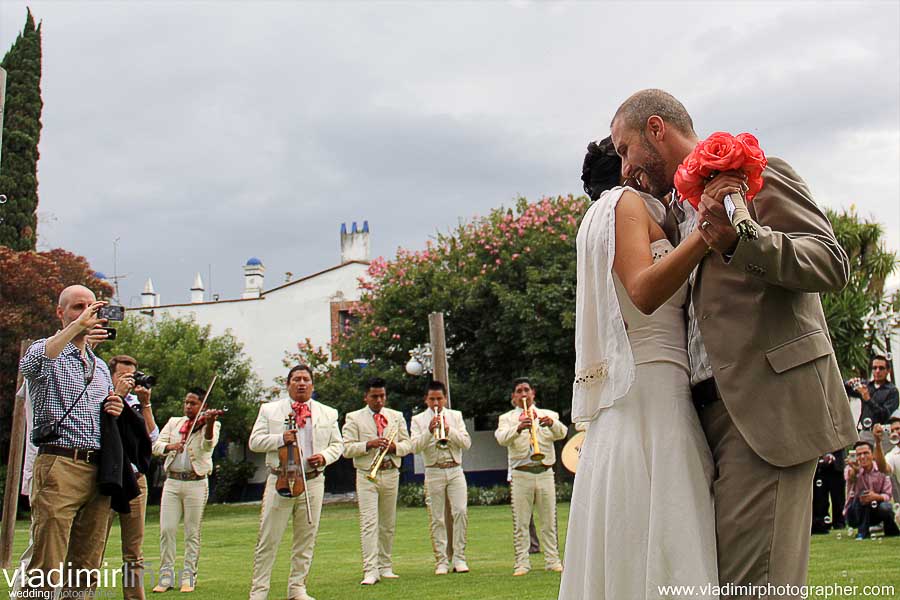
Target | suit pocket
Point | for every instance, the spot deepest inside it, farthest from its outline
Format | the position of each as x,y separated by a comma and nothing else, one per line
798,351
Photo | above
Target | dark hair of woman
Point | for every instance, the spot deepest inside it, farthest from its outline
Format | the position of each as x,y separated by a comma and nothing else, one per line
602,169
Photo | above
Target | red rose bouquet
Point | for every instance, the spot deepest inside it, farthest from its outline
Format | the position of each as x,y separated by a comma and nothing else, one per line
724,152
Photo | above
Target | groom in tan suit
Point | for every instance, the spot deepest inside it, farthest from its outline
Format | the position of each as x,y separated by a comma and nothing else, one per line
367,432
763,372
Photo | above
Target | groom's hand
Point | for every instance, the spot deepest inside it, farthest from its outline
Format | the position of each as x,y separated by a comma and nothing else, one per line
714,225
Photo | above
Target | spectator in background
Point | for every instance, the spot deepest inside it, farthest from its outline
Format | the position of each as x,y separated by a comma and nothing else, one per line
889,463
868,494
879,396
829,486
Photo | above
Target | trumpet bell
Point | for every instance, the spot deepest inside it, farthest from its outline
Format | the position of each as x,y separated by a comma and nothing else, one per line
443,443
371,477
537,456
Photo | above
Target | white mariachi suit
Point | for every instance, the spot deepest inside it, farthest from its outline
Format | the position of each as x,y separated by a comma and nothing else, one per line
377,499
320,436
532,484
444,479
185,493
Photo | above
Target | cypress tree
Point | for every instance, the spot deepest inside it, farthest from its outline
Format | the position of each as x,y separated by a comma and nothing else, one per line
21,133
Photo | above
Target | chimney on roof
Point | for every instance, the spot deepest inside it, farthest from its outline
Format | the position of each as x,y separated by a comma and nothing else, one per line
355,245
197,290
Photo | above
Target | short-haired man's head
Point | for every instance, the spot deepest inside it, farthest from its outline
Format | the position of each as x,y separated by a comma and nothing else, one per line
880,368
862,444
436,386
522,392
193,400
72,302
122,360
296,368
642,105
376,394
197,391
375,382
435,394
602,168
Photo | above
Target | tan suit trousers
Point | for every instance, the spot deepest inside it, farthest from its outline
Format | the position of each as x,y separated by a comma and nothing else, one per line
532,493
440,485
275,512
132,526
763,512
69,518
377,502
181,499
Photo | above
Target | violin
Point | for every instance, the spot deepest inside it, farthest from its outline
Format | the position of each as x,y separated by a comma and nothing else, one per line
291,477
200,421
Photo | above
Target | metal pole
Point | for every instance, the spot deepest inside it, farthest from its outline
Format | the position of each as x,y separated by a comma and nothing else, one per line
13,470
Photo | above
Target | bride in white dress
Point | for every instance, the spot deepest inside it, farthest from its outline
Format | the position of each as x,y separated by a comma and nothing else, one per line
642,511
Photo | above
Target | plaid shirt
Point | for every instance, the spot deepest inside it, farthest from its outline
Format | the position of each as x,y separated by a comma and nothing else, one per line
54,384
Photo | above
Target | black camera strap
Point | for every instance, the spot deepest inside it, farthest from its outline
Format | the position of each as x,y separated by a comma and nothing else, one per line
87,382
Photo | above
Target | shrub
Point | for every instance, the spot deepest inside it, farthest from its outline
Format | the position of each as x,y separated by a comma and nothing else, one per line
230,479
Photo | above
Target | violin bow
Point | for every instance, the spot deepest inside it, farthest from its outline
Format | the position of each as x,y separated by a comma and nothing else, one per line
202,406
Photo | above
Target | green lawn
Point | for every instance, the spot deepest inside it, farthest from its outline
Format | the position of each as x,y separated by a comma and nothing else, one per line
229,537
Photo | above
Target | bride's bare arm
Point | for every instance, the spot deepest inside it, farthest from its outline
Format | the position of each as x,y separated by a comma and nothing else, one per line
649,285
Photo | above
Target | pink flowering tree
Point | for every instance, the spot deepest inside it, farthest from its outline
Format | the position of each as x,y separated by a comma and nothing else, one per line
506,286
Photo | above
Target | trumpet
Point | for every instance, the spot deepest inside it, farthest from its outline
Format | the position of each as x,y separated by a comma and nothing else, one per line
536,454
379,457
440,434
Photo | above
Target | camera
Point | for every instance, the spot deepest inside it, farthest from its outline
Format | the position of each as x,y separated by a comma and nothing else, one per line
111,312
144,380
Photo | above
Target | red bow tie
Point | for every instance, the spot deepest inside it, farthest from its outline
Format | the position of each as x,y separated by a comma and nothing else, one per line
302,412
186,428
380,422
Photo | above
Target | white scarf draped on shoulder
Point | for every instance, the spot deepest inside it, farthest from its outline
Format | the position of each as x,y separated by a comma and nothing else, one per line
604,363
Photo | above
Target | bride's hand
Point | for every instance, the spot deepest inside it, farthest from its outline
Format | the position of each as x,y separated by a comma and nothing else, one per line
728,182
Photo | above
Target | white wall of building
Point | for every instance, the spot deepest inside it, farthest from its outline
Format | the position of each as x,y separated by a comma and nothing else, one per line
275,322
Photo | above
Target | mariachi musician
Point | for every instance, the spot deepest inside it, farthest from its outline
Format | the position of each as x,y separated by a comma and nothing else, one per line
528,433
312,427
376,437
187,442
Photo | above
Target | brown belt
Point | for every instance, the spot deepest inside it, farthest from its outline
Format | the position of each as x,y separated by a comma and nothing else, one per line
533,468
443,465
179,476
82,454
309,474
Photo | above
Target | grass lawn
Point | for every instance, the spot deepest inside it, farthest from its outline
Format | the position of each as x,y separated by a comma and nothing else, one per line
229,537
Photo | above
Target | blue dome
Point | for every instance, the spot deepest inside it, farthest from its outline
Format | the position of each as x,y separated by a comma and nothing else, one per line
99,275
253,261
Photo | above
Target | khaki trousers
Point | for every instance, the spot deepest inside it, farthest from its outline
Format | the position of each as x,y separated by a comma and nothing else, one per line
377,502
532,493
439,485
69,518
763,512
187,499
274,515
132,526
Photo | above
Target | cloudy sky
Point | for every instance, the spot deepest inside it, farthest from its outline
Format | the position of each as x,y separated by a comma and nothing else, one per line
204,133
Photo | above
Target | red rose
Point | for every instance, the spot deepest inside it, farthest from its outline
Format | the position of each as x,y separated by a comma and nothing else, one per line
721,152
754,183
755,158
689,183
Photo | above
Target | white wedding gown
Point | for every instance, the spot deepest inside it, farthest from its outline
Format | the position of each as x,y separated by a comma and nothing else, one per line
642,507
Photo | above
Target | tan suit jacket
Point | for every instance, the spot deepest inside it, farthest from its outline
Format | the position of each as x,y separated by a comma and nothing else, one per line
424,442
518,443
199,449
359,428
765,333
267,434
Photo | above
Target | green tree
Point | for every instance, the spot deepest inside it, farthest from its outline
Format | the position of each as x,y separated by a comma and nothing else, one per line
506,285
849,312
21,134
183,354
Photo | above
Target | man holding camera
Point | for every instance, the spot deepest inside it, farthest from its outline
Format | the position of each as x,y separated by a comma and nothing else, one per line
868,494
879,397
187,443
70,387
889,463
124,369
